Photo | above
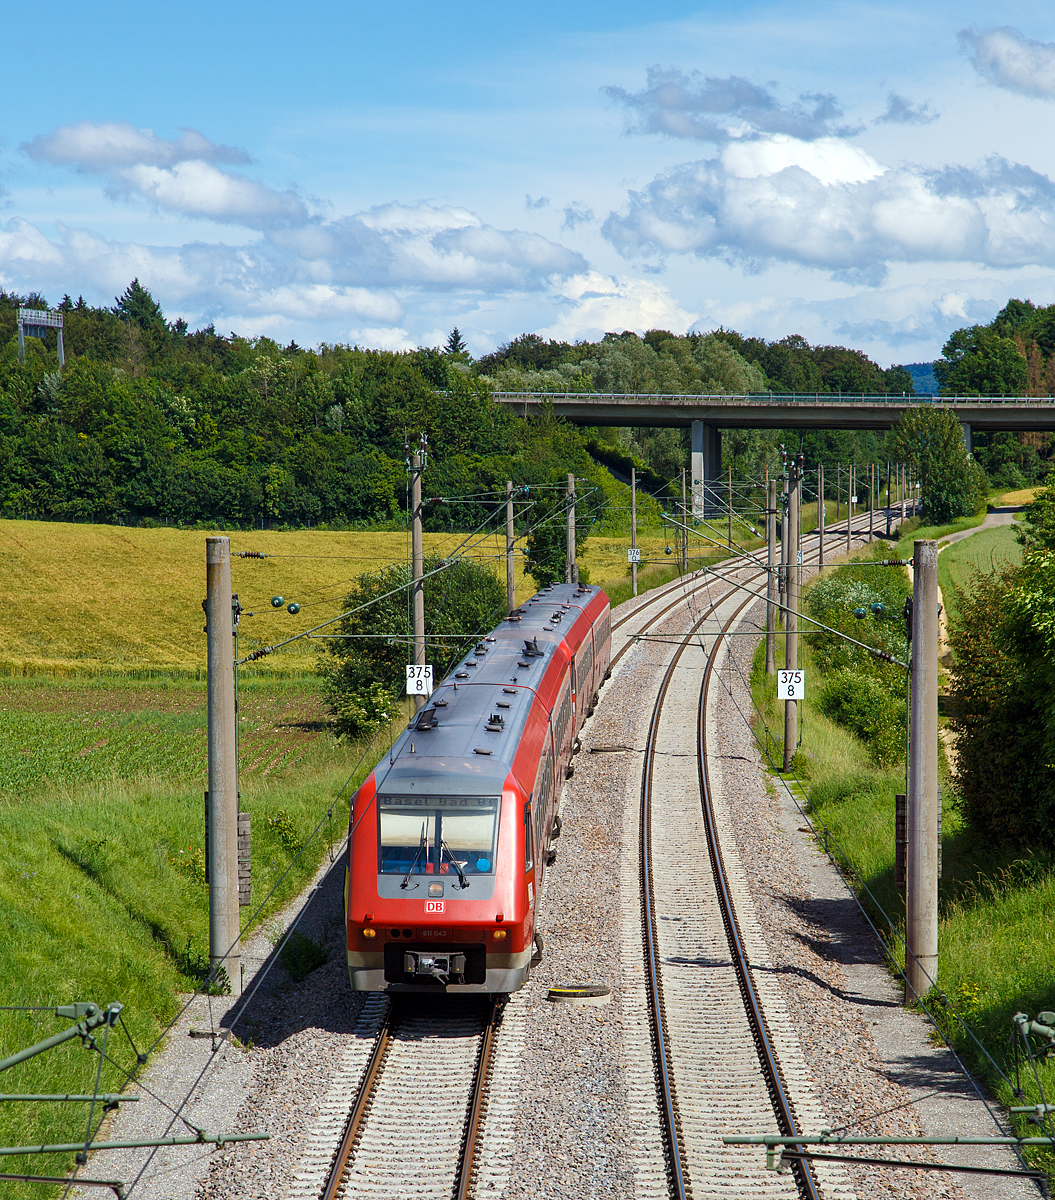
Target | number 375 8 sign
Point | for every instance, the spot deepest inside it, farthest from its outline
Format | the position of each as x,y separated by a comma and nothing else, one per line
791,685
419,680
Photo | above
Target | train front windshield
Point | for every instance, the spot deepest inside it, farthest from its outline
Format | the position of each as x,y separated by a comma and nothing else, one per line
437,835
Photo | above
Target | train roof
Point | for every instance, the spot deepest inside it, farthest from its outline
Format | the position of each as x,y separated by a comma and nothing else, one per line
465,738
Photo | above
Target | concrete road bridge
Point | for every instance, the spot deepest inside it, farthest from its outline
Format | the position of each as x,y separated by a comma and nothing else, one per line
707,416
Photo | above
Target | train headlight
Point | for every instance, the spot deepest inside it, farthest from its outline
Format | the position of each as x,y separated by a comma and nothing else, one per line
499,935
369,933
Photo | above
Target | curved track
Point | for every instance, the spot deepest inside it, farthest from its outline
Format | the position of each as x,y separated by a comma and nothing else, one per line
414,1120
677,1156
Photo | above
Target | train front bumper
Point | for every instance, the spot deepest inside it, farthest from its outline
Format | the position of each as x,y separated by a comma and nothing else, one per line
367,972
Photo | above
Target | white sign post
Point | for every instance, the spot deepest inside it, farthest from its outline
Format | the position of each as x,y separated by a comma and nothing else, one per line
791,685
419,680
633,555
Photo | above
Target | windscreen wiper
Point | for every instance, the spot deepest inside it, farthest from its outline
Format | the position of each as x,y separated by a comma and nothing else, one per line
463,882
417,858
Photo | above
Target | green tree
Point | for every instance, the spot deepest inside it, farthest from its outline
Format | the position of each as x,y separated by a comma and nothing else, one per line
1036,531
463,601
931,440
979,362
1003,692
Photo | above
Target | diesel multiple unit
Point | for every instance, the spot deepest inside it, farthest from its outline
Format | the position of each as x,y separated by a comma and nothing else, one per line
451,832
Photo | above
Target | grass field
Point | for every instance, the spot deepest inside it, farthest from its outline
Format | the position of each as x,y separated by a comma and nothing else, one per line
964,562
1024,496
96,599
102,882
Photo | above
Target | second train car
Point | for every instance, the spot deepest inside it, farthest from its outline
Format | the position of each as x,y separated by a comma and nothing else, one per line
451,832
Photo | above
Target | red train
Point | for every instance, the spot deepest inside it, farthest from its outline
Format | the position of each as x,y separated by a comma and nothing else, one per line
451,832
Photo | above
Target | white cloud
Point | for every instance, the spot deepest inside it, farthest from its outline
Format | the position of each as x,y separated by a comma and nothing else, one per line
712,109
198,189
1011,61
177,175
576,214
425,245
596,304
359,270
829,160
835,209
101,147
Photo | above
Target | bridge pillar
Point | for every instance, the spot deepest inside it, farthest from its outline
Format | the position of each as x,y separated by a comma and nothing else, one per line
706,468
966,427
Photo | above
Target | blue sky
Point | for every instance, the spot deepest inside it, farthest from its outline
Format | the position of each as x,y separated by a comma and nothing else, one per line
874,175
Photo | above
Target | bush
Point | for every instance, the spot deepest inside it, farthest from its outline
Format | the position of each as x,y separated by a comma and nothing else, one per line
1003,681
863,704
360,714
301,955
366,668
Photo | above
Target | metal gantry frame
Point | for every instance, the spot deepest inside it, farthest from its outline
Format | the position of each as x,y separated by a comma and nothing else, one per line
89,1020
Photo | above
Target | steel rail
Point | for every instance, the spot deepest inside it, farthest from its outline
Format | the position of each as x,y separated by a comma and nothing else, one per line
666,1089
667,1094
767,1055
462,1188
368,1087
476,1106
364,1094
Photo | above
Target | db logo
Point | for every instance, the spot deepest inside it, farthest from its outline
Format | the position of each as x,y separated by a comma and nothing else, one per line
434,906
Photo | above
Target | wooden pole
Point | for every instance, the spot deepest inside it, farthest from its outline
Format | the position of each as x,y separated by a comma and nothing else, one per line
771,576
730,509
791,625
849,505
820,517
417,583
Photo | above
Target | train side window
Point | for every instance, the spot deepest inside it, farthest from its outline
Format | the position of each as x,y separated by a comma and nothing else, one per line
529,839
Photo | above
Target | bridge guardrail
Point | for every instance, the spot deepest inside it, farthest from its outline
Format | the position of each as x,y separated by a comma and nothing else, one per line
773,398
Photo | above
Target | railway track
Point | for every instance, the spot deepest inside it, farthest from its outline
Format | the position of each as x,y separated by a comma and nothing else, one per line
411,1124
681,910
407,1106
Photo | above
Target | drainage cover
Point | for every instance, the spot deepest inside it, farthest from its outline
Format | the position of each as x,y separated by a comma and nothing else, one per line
593,994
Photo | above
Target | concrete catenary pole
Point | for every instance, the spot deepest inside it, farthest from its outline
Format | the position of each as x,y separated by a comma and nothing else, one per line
871,500
888,510
633,526
224,946
511,586
571,570
791,620
820,516
921,880
417,582
730,509
849,505
684,526
771,577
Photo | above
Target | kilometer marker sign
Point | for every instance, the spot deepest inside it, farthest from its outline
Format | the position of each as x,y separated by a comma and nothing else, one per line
791,685
419,680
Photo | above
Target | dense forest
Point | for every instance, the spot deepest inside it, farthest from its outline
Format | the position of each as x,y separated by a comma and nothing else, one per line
150,422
